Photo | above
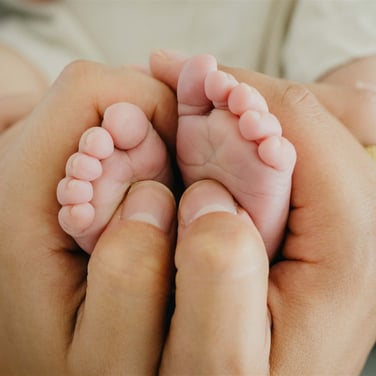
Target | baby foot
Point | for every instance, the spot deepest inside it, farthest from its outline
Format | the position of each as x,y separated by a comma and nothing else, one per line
110,158
227,133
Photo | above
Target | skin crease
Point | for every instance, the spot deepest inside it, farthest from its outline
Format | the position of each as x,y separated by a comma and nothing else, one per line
33,343
356,78
299,292
314,293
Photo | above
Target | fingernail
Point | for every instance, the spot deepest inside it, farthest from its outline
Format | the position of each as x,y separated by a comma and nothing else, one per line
203,198
170,54
150,202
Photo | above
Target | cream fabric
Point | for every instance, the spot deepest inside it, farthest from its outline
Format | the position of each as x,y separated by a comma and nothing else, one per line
237,32
297,39
327,33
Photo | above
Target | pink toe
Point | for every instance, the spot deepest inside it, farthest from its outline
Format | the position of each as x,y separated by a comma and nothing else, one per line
192,99
96,142
218,86
72,191
244,97
254,125
83,167
127,124
277,152
77,218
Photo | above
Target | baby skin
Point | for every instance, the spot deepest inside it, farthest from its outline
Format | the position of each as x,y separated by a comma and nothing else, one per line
227,133
124,150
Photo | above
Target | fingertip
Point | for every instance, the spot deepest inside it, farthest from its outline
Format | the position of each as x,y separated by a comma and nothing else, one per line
214,230
222,268
165,65
204,197
152,203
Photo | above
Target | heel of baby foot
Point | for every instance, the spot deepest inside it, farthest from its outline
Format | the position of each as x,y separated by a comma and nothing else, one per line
278,153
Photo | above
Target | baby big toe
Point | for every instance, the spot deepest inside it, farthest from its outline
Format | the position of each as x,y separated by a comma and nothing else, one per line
127,124
192,99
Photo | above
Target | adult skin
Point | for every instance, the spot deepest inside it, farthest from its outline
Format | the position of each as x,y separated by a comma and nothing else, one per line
321,295
62,314
48,324
21,86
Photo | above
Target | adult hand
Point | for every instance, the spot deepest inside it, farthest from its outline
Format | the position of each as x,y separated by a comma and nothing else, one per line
16,106
321,295
60,313
21,86
220,325
349,92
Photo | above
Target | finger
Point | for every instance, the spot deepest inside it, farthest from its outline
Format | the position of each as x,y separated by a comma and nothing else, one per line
326,153
121,325
166,65
35,162
352,106
220,321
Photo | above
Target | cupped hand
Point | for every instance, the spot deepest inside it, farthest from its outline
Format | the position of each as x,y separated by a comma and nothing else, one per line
60,313
321,294
220,325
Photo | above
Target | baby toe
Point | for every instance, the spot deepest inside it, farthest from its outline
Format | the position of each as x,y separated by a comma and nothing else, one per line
278,153
84,167
73,191
244,97
127,124
96,142
75,219
255,125
218,86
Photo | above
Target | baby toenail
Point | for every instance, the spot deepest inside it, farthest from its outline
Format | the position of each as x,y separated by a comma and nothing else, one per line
73,163
72,184
255,115
89,138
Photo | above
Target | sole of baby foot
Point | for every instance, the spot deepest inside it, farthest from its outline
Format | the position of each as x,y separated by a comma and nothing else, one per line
126,149
227,133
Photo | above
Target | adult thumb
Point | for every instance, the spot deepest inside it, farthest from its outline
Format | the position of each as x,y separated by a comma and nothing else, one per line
122,322
220,319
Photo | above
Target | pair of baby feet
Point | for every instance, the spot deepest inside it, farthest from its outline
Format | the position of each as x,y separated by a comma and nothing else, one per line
225,132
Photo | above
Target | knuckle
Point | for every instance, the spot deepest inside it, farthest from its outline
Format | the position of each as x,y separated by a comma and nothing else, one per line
77,70
296,94
365,101
226,253
133,266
